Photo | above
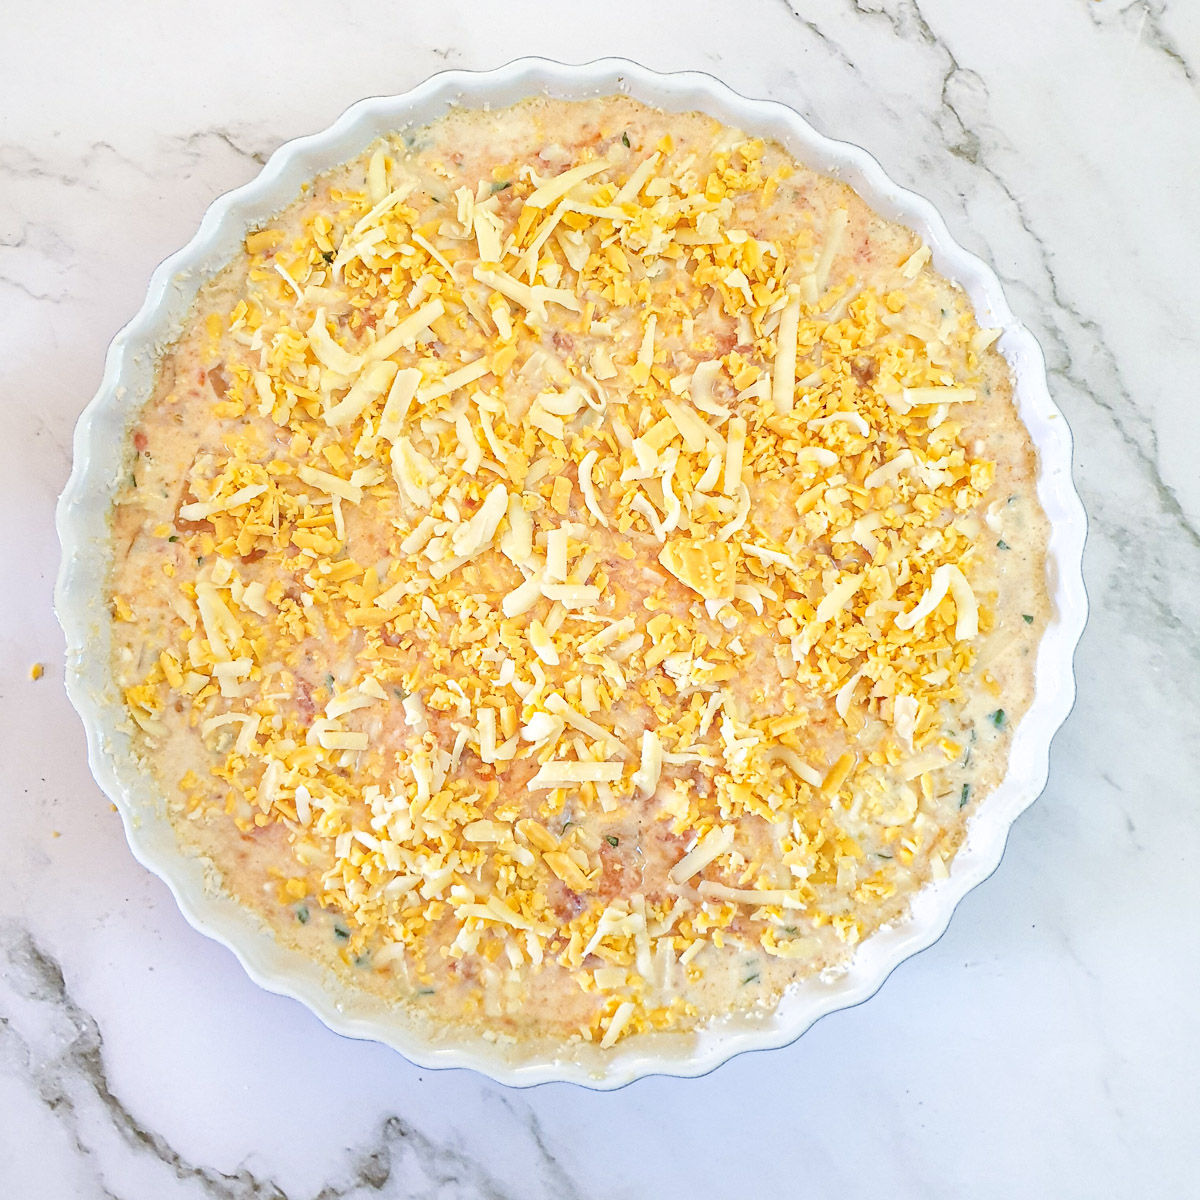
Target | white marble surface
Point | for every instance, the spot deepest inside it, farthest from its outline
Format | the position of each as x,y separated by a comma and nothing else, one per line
1049,1045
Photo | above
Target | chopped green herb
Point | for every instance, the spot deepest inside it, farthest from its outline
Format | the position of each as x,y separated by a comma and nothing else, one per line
612,841
1027,618
424,991
302,913
199,559
967,757
750,979
625,140
361,960
997,718
173,538
887,856
499,187
789,929
966,795
327,255
329,682
341,932
1001,545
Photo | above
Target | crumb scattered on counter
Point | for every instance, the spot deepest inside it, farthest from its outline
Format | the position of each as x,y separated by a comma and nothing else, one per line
37,671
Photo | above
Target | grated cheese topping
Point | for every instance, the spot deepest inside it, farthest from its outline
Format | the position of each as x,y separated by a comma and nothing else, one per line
575,570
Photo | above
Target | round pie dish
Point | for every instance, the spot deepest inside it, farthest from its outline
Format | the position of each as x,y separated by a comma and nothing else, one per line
99,454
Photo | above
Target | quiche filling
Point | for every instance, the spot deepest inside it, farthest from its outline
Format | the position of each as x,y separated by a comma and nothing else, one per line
579,571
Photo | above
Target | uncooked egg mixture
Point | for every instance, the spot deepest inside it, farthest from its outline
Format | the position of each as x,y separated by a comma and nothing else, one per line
579,571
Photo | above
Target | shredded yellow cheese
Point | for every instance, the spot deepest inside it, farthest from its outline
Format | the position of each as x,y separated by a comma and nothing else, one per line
613,534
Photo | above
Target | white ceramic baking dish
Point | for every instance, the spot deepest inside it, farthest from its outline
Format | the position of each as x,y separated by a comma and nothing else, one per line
100,462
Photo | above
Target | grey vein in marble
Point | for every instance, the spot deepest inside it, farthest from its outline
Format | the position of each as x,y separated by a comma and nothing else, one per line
195,141
1146,22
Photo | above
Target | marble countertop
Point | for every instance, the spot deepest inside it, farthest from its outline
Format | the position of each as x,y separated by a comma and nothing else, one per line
1048,1045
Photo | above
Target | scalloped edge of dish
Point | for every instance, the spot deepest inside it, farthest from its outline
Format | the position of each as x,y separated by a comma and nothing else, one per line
99,458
